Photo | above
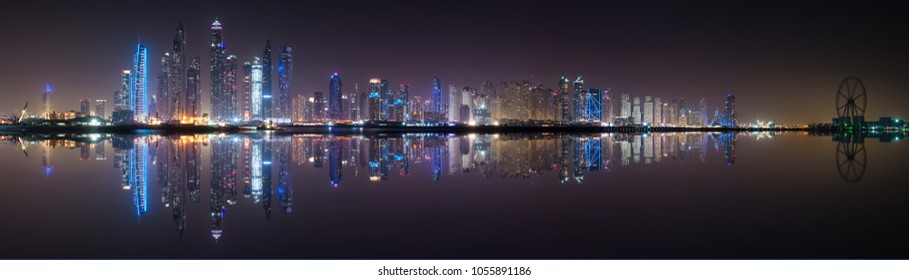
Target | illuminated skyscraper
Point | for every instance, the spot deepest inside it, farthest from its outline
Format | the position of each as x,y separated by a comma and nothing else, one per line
353,101
564,100
46,98
192,104
246,95
636,115
436,103
626,106
318,107
375,100
231,99
121,96
402,110
216,61
580,99
729,115
139,89
85,107
594,105
255,97
334,98
100,108
657,111
177,77
648,110
267,106
454,103
285,78
160,103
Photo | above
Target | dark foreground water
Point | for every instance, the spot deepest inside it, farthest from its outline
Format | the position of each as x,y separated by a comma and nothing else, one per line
696,195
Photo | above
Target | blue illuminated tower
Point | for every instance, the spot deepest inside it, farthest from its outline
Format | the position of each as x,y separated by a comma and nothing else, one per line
285,76
435,100
594,106
334,98
729,115
255,96
139,86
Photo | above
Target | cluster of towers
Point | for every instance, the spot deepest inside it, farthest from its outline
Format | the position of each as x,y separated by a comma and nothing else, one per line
237,94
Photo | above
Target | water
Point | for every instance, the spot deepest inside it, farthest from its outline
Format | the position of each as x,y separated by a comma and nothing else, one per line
272,196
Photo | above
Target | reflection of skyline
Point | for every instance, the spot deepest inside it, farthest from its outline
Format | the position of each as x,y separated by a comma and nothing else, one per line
246,161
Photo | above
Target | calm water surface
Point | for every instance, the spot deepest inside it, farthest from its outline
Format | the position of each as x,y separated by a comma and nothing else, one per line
454,196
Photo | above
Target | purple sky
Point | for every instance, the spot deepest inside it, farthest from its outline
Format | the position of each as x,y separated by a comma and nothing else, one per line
782,61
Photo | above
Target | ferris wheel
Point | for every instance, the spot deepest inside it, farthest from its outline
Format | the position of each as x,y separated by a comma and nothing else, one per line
851,98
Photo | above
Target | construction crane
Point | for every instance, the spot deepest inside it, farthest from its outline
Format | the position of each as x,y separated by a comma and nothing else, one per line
22,115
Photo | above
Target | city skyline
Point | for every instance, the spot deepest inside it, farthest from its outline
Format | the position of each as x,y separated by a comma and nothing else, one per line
690,69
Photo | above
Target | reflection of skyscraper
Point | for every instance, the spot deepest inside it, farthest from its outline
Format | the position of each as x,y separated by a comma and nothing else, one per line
285,183
138,174
99,151
334,162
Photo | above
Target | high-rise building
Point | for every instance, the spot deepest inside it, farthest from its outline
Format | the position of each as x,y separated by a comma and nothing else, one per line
231,99
47,105
246,98
564,100
454,103
100,109
139,89
354,105
363,99
159,104
282,110
594,108
657,111
375,100
217,54
334,98
435,99
85,107
121,97
255,96
636,115
648,110
729,116
193,102
580,98
318,106
176,76
402,108
267,106
625,112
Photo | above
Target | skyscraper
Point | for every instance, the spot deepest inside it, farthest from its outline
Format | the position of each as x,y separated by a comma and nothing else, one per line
46,98
160,101
375,101
192,104
285,77
657,111
246,98
594,105
402,110
334,98
121,97
580,99
625,112
217,53
564,100
255,96
318,106
636,115
177,77
648,110
100,106
729,116
231,100
85,107
139,89
436,103
454,103
267,110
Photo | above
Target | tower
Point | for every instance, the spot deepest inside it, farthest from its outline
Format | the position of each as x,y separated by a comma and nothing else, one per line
176,76
267,110
334,98
46,98
139,89
285,77
216,61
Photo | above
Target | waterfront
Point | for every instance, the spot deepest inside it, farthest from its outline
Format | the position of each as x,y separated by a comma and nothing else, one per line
415,196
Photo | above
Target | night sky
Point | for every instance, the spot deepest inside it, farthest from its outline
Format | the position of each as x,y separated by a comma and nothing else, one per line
782,61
